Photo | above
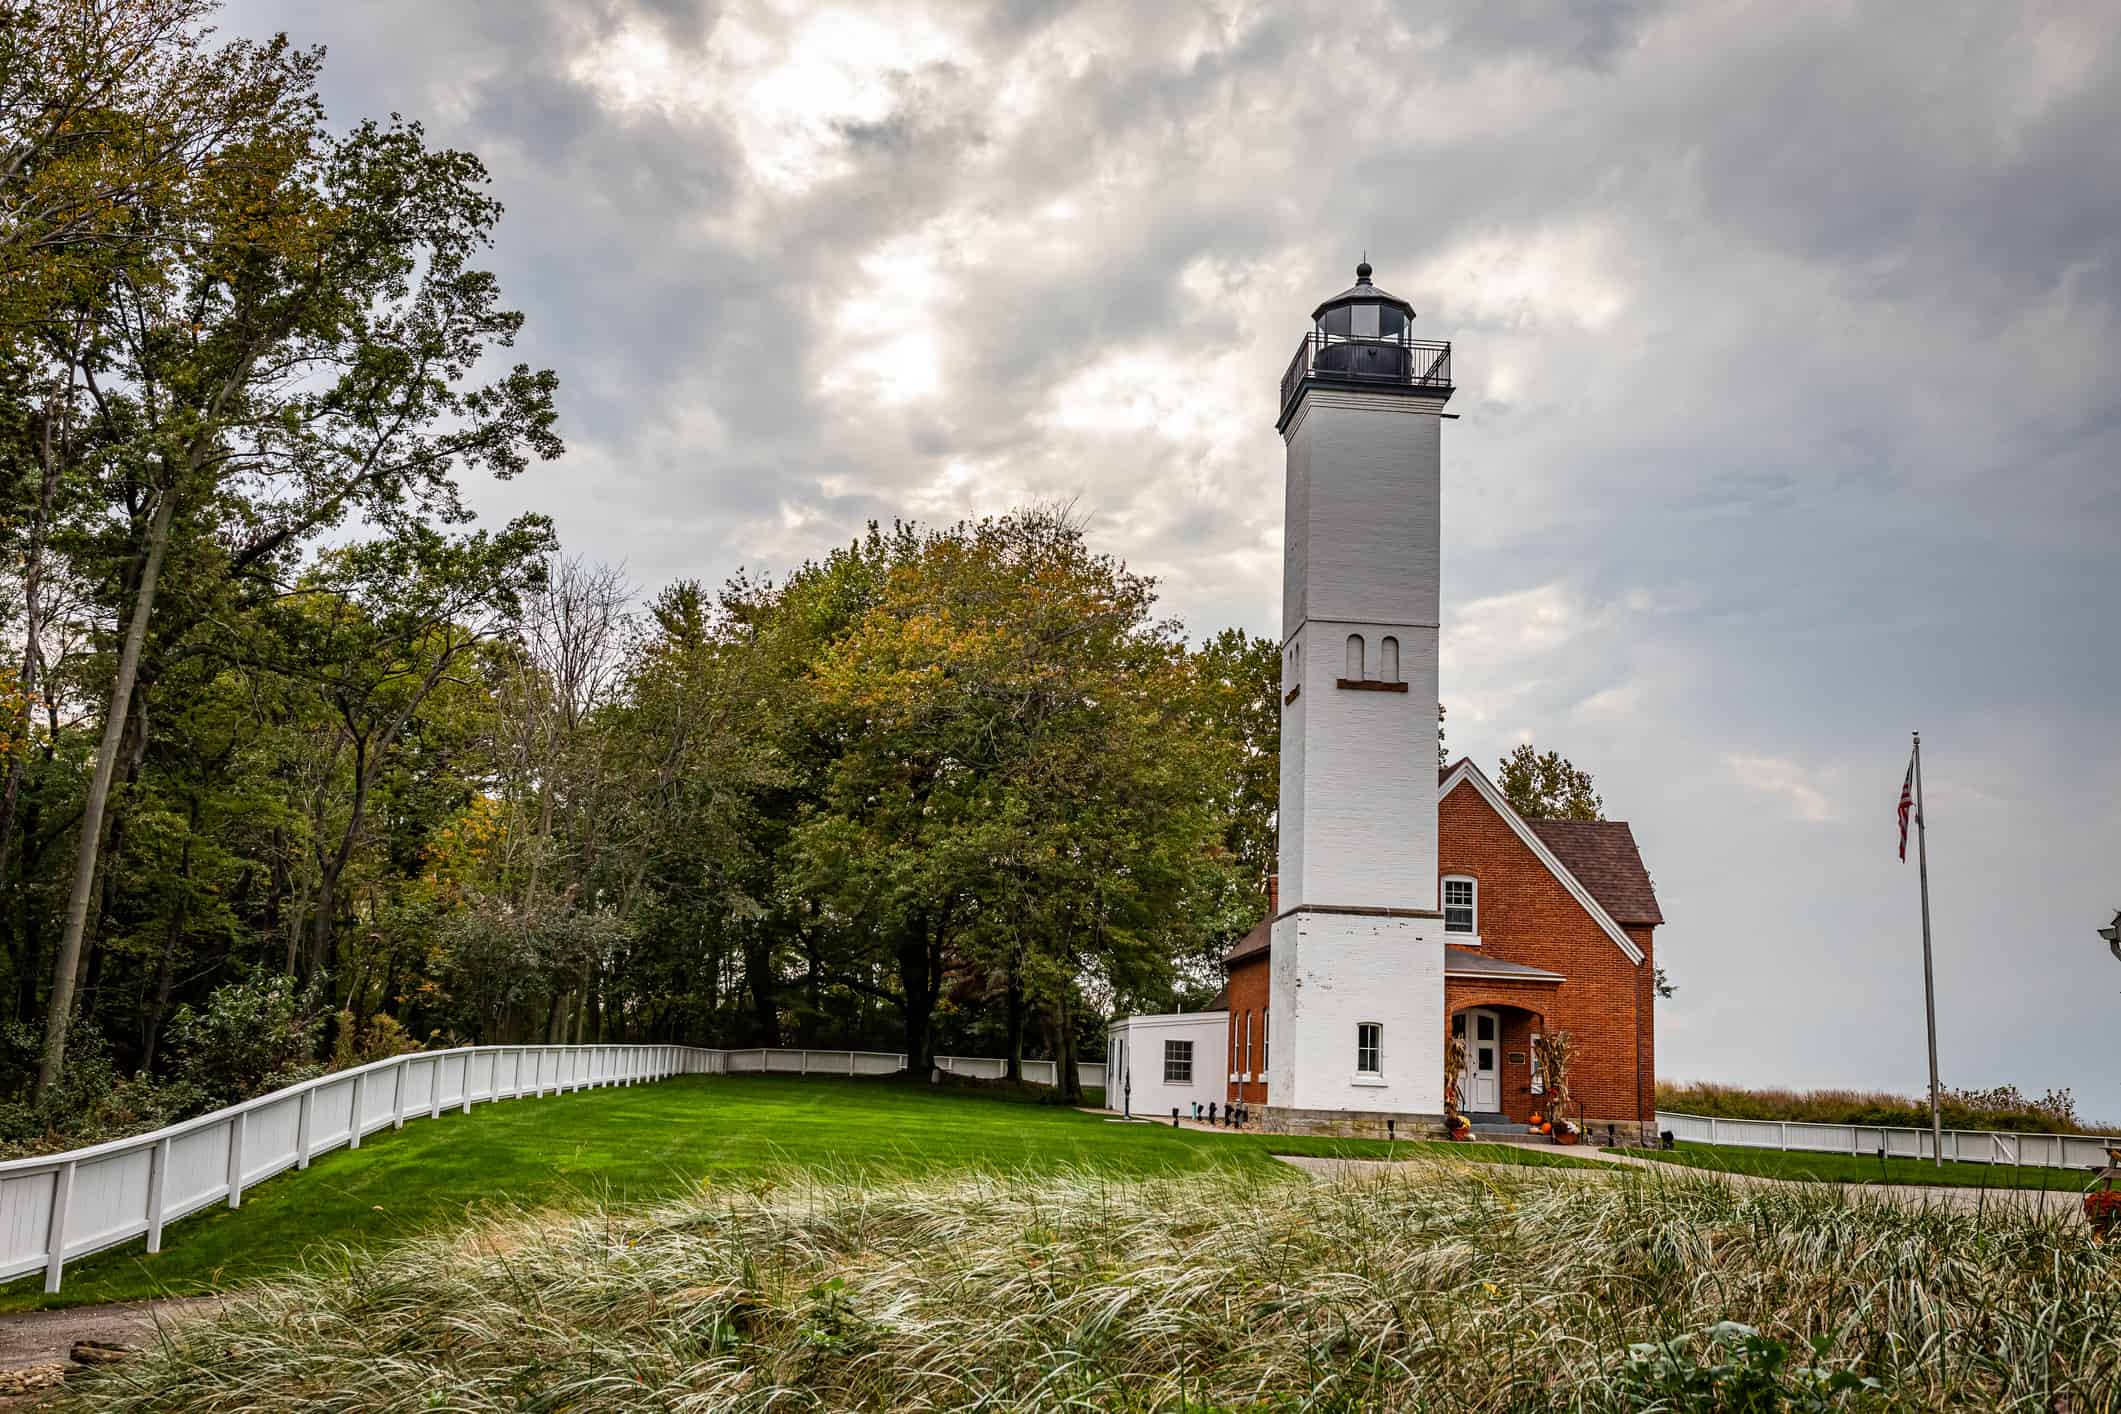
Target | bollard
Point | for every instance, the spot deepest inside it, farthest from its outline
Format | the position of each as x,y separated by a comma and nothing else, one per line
1174,1116
1391,1131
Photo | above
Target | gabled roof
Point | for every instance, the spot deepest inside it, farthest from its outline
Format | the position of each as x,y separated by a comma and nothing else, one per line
1602,854
1466,773
1597,861
1259,940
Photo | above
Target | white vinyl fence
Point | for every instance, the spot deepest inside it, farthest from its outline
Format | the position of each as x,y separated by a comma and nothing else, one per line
1976,1146
57,1207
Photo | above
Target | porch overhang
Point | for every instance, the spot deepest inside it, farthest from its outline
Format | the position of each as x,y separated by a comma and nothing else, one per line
1468,964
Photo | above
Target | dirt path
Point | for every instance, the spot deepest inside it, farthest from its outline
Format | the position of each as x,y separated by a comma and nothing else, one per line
2026,1200
35,1345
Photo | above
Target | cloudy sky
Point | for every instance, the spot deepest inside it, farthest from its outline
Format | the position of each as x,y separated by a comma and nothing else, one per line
1789,359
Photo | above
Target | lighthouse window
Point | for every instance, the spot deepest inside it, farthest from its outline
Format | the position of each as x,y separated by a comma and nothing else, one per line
1391,321
1178,1062
1364,322
1388,660
1355,657
1458,906
1369,1048
1336,322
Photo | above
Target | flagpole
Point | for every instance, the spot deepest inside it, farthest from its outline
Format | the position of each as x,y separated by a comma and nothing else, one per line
1929,971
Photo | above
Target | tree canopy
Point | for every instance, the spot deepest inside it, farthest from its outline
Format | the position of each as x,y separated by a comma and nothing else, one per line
1547,786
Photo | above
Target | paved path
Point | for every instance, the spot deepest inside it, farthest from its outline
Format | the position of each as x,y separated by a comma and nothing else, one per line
2027,1200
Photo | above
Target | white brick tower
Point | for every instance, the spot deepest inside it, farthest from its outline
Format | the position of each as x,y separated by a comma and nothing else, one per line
1357,1010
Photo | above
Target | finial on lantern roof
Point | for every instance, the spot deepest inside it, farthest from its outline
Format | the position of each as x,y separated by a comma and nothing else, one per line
1362,271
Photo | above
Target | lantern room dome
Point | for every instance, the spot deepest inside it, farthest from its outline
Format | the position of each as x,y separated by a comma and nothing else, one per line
1365,295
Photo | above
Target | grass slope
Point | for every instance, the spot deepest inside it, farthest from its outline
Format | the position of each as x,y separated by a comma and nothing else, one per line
1848,1168
627,1145
1468,1288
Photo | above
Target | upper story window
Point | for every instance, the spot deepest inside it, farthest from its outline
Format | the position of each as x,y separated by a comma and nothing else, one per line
1388,660
1369,1048
1354,673
1178,1062
1461,912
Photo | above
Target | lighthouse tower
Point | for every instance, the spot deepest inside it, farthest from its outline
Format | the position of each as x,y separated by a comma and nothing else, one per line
1357,997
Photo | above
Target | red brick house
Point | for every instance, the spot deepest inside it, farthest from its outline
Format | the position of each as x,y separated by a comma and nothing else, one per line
1548,926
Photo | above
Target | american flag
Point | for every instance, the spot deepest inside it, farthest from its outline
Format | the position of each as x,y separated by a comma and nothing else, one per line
1907,805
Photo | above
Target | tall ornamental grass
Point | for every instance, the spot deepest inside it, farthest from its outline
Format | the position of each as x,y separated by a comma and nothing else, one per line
1442,1286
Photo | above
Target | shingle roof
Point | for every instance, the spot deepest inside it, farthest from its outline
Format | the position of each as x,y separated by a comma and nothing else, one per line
1603,857
1472,962
1257,941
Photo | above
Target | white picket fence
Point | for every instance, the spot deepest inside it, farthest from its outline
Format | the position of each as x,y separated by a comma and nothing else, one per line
58,1207
1976,1146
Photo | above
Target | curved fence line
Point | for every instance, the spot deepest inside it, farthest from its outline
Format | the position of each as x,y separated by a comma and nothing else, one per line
55,1208
1973,1146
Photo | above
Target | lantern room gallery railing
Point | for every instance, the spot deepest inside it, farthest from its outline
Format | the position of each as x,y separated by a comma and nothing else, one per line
1395,363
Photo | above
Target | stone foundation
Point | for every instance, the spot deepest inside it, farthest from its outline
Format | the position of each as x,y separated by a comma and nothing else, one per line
1349,1124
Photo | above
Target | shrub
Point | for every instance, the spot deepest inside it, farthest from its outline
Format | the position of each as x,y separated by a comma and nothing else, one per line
250,1037
92,1100
2003,1107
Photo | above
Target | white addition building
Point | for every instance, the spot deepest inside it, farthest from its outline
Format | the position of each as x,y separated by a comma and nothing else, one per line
1357,981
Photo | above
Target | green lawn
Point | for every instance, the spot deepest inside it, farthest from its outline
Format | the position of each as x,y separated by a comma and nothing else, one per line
629,1144
1850,1168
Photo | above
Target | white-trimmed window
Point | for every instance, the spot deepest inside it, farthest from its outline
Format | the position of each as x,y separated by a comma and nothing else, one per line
1461,898
1369,1048
1178,1062
1266,1040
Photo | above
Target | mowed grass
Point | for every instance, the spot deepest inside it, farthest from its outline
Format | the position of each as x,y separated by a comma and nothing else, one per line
616,1147
1851,1168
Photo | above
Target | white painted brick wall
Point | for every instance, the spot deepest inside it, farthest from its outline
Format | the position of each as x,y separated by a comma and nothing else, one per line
1358,772
1332,971
1139,1041
1358,768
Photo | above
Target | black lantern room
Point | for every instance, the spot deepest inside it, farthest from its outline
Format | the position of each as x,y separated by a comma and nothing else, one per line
1365,335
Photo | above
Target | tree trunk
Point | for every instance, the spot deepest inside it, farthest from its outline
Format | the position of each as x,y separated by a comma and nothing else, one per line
166,968
32,584
1069,1080
1014,1001
60,1016
763,986
921,985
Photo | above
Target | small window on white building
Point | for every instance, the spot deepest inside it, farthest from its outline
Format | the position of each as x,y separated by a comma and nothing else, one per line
1369,1048
1388,660
1178,1062
1460,898
1354,673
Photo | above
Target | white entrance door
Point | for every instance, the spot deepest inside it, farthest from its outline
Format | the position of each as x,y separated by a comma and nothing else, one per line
1480,1086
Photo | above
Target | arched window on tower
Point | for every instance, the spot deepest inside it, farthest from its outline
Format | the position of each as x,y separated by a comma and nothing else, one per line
1388,660
1354,673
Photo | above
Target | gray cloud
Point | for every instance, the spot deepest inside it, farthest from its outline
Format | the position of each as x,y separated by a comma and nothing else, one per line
1785,336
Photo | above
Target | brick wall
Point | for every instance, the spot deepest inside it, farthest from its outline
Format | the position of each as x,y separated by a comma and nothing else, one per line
1249,985
1526,915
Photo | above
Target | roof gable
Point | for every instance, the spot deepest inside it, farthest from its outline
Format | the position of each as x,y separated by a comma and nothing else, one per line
1466,773
1602,854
